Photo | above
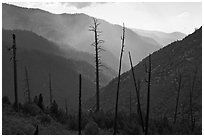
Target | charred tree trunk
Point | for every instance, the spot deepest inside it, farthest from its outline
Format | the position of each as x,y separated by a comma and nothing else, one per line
130,103
137,93
139,105
98,48
118,86
148,96
191,111
27,85
79,113
178,84
13,48
192,120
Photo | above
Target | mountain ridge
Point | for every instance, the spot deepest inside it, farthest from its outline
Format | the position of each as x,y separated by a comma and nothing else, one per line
72,29
163,38
185,55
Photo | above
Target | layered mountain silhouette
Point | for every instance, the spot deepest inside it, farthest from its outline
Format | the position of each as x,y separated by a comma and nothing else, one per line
161,37
184,56
42,57
72,30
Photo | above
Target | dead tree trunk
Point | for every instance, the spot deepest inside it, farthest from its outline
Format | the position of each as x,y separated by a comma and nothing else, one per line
79,113
148,95
50,89
139,105
137,93
130,103
13,48
118,86
191,99
27,85
98,48
178,85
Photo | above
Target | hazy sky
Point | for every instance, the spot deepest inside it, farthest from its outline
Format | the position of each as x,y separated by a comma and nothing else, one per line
167,16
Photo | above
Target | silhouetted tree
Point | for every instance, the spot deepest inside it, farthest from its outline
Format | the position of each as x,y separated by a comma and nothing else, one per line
137,88
54,108
13,48
178,85
35,100
138,84
40,101
98,48
79,113
118,86
149,70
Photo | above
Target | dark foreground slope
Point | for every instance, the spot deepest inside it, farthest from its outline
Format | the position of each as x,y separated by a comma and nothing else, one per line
14,123
49,122
185,56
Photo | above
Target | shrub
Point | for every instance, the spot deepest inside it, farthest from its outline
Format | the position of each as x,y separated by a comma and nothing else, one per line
99,118
73,122
131,128
109,120
5,100
61,116
44,119
91,128
32,109
54,108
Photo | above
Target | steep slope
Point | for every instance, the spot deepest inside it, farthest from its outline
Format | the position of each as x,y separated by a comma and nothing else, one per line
31,41
184,55
161,37
41,57
72,29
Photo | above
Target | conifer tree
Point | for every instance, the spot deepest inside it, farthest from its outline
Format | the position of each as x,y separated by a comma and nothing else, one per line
40,102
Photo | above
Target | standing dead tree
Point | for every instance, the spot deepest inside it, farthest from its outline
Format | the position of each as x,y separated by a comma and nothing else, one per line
178,85
130,105
98,49
13,48
137,87
118,86
138,84
79,112
50,89
27,92
192,85
149,70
